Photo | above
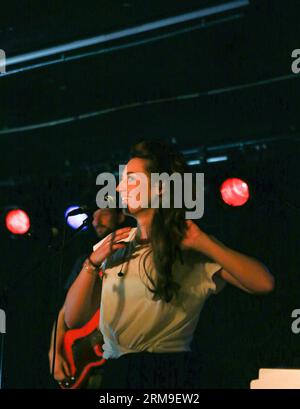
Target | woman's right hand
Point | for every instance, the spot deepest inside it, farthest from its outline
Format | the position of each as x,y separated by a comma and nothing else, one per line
110,245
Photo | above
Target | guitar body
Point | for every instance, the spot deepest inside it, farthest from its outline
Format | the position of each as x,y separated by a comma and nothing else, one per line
83,351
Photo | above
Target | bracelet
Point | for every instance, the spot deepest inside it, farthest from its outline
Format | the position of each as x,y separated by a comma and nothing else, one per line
94,265
88,266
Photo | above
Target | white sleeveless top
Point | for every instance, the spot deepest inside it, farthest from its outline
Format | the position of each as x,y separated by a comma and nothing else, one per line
130,321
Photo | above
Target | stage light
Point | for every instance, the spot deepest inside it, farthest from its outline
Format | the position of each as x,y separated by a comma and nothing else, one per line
235,192
75,221
217,159
194,162
17,221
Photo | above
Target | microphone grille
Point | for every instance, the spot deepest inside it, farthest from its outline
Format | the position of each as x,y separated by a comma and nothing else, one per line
110,199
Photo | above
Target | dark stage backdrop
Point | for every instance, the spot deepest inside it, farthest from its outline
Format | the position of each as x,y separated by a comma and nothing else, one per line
237,333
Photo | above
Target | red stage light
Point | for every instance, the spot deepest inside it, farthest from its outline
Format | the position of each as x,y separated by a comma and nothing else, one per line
17,221
235,192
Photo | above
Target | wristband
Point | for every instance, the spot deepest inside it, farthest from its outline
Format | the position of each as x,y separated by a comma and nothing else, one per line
94,265
91,268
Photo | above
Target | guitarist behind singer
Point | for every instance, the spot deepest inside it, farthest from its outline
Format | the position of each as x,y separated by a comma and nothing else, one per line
104,222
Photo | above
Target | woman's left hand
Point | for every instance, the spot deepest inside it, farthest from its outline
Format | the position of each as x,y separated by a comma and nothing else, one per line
193,238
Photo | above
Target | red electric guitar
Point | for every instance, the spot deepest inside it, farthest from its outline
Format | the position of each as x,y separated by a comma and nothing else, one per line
83,351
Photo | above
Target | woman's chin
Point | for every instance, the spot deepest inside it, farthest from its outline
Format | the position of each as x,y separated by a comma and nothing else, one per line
132,210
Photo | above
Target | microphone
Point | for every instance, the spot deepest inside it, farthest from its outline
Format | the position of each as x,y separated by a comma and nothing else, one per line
80,210
110,200
86,209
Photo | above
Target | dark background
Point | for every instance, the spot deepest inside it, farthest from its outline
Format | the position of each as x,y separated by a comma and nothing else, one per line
221,84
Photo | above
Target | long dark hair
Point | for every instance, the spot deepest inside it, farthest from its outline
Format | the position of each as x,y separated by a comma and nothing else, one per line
168,226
